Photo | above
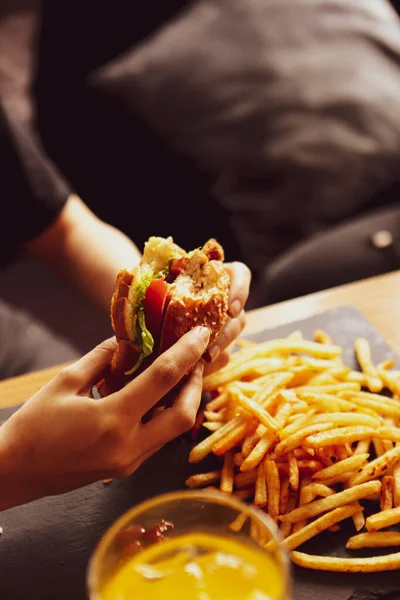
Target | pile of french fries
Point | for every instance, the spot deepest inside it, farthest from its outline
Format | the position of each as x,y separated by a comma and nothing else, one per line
308,440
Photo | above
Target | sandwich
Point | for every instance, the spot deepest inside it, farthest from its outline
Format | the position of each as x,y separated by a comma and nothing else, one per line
166,294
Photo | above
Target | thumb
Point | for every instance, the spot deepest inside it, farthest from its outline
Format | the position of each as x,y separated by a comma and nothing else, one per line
87,371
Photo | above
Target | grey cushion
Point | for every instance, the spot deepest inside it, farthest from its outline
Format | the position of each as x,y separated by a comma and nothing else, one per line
291,106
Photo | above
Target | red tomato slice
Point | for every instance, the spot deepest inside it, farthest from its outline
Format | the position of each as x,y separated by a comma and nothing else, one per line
154,304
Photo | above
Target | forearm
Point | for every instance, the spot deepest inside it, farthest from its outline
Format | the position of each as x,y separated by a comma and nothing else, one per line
85,251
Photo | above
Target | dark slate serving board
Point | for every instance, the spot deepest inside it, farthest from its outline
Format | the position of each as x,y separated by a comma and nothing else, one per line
45,546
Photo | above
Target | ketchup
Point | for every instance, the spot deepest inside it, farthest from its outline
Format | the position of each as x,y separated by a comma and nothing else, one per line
134,539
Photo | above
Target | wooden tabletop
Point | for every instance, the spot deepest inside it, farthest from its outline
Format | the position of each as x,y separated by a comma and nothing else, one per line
377,298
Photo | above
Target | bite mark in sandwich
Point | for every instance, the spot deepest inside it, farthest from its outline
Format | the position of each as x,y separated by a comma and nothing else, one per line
166,294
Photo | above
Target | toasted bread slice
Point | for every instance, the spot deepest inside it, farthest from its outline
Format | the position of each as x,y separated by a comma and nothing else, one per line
199,296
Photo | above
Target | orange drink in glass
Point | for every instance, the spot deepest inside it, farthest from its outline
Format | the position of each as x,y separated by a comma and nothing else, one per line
200,545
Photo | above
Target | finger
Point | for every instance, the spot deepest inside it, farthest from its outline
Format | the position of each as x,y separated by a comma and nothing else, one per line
164,373
221,362
180,417
240,286
229,334
83,374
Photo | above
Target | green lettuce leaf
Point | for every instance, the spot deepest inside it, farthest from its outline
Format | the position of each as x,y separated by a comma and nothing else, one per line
143,335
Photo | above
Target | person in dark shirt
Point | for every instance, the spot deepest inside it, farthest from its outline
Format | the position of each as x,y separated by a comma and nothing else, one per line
62,438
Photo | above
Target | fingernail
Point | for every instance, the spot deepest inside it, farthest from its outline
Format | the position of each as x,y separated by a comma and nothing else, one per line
213,353
235,308
204,334
199,368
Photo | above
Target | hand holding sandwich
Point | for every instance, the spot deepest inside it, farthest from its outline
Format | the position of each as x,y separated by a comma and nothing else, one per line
62,439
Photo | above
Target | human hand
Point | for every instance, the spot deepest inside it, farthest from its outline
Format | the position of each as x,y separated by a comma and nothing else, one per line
61,438
218,354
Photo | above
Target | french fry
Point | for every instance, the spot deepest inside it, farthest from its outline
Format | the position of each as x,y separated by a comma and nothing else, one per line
286,527
260,495
376,467
254,531
296,426
293,472
204,448
302,453
266,395
380,406
258,452
293,441
378,446
321,524
227,473
257,411
237,524
244,494
283,413
323,454
322,379
386,501
379,539
390,380
358,518
243,343
234,437
298,407
247,387
390,562
245,479
396,485
212,426
356,377
211,415
218,403
312,490
249,443
284,496
309,466
362,447
387,444
273,488
322,337
386,364
304,498
388,434
342,451
349,449
290,346
352,418
296,335
238,459
202,479
330,390
344,466
363,490
383,519
339,436
363,353
253,367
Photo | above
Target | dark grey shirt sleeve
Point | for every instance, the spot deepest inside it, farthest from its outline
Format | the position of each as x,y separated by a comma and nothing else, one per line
32,191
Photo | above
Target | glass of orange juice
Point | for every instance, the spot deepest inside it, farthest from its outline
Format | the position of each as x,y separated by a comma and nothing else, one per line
200,545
